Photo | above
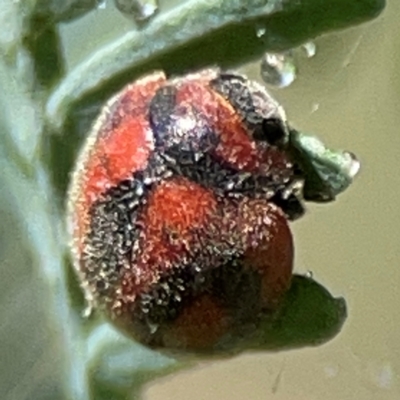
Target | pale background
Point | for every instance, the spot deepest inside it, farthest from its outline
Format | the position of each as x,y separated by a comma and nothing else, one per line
351,246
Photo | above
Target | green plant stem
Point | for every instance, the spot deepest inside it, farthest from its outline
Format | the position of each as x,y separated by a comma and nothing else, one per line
222,32
28,184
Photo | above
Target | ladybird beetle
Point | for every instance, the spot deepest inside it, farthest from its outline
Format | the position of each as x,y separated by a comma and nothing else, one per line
179,209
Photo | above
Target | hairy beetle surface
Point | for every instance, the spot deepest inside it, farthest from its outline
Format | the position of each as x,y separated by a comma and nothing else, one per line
179,208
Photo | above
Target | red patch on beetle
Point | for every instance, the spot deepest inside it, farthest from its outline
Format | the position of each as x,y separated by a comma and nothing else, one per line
120,144
176,212
119,152
118,155
276,248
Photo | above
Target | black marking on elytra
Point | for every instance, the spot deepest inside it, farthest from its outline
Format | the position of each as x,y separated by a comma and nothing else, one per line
166,298
258,110
185,279
179,126
235,287
113,231
239,289
161,109
112,234
224,180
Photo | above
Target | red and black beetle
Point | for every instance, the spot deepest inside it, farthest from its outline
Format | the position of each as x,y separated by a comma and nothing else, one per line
179,209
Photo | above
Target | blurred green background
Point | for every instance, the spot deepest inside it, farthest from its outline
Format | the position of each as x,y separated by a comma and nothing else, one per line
349,95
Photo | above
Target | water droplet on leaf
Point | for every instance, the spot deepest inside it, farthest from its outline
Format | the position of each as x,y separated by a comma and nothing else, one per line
88,311
260,32
310,49
140,10
278,69
353,164
309,274
101,4
153,327
314,107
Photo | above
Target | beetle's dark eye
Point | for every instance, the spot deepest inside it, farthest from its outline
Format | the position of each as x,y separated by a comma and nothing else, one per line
272,130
